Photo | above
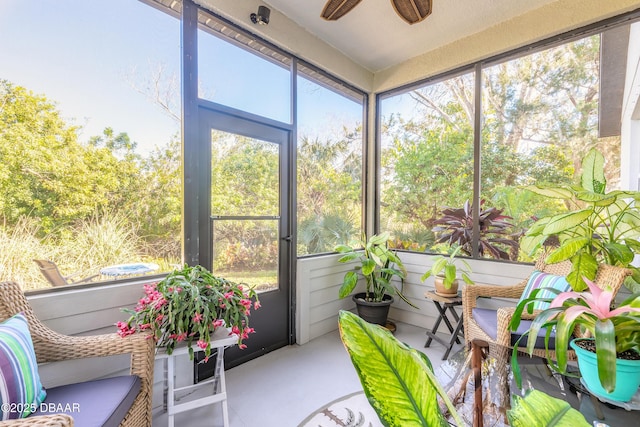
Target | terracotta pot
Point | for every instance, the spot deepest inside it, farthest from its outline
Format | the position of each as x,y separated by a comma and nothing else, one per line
442,290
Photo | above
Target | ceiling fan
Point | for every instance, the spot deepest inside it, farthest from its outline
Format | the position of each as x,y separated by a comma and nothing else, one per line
412,11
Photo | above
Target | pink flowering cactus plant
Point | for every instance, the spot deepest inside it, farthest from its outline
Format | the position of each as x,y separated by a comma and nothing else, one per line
188,306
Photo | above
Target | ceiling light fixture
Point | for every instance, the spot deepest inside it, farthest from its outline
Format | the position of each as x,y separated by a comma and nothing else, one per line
262,17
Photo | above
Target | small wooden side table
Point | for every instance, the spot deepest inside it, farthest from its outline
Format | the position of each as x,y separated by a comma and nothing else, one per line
442,304
219,340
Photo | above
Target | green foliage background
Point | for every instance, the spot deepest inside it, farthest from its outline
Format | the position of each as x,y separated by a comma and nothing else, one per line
539,118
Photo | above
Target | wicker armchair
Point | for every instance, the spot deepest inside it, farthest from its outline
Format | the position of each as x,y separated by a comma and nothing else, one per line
51,346
607,275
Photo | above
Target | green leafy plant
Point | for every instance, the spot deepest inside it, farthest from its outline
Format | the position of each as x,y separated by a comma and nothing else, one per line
600,227
189,305
400,384
446,267
615,330
397,379
456,228
538,409
378,265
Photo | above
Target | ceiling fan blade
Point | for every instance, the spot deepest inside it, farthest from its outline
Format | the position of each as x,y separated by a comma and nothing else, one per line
412,11
336,9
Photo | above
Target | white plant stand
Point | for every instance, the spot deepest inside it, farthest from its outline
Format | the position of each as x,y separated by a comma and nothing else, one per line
219,340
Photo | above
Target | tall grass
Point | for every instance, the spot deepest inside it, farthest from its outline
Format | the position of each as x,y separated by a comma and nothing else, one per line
106,238
19,246
80,250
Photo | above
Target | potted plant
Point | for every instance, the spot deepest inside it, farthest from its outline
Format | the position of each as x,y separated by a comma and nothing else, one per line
600,227
495,238
445,272
378,266
609,362
402,388
188,306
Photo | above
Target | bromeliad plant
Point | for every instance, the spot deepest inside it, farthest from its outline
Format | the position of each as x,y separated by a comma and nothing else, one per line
189,305
616,331
600,227
378,265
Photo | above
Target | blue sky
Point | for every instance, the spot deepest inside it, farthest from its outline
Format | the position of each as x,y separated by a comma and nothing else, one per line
86,57
90,56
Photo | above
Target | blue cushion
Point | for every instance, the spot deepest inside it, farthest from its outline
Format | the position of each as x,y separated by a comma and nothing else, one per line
541,280
20,388
487,320
98,403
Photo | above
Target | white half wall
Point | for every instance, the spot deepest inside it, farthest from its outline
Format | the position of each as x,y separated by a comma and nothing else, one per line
319,278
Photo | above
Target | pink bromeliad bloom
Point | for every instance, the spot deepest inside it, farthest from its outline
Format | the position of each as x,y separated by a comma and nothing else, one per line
598,301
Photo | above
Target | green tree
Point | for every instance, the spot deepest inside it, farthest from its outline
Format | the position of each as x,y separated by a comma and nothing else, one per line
159,209
329,191
539,118
46,173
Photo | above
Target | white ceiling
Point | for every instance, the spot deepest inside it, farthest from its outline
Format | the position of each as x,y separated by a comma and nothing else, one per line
376,38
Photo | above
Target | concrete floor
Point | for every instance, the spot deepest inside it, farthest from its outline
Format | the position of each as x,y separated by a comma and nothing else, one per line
282,388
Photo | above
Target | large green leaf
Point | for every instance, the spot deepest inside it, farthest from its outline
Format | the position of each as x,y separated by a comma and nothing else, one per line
619,253
562,222
438,265
633,244
568,249
348,284
584,265
368,266
606,353
400,386
348,257
632,218
530,244
593,178
379,239
538,409
553,192
596,198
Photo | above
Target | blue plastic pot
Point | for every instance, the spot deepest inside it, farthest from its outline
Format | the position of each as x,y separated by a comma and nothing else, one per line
627,374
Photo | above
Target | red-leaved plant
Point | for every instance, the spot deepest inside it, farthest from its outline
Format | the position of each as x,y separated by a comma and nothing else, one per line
455,227
189,305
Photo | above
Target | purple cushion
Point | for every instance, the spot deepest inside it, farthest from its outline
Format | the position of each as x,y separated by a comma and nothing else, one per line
487,320
103,402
